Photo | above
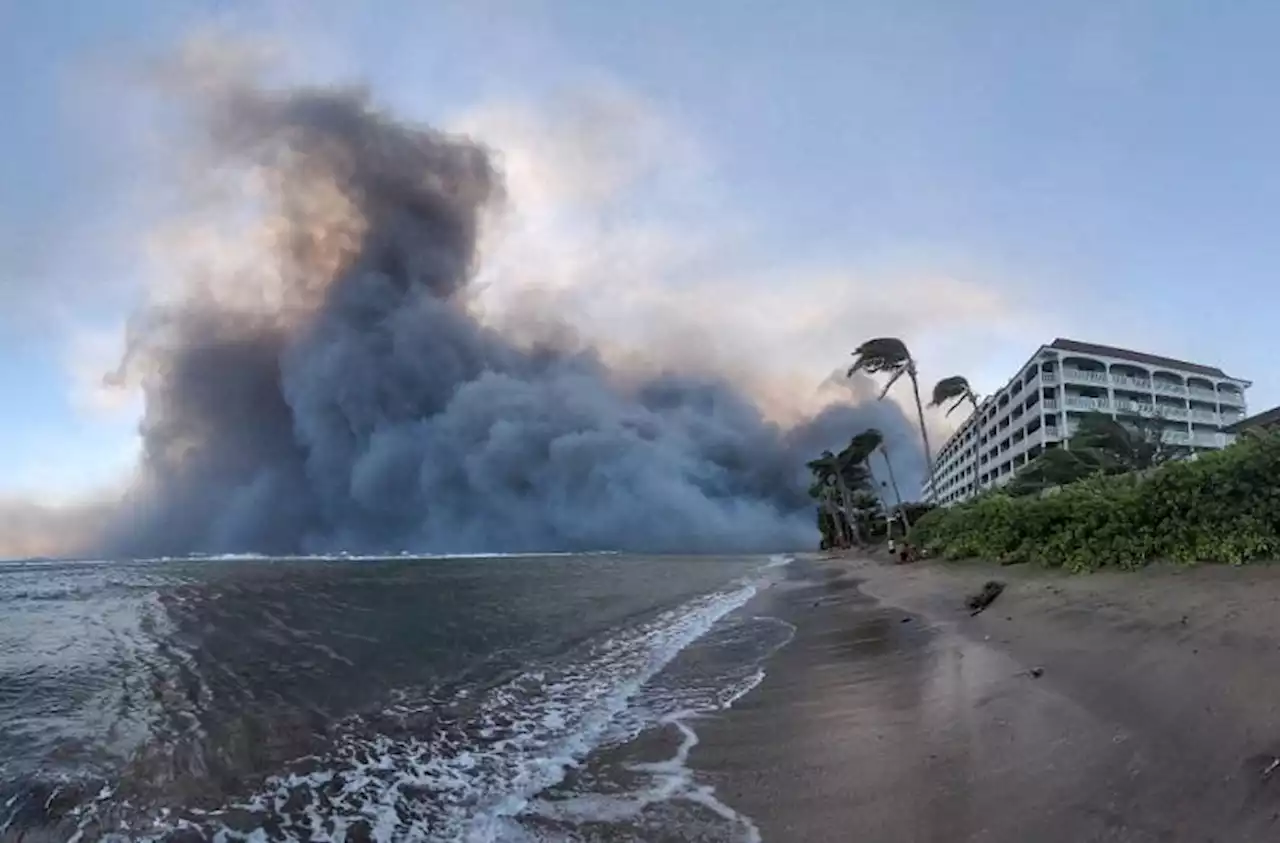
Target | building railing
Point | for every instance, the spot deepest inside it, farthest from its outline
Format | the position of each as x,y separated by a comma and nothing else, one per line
1050,405
1169,387
1199,392
1083,375
1130,382
1072,374
1141,408
1204,416
1176,437
1079,402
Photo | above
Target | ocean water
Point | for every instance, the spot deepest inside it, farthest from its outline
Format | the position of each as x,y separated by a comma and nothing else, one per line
321,699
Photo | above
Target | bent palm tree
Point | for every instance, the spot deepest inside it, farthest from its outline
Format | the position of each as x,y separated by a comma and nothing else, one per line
830,518
827,476
954,388
897,496
843,472
862,447
890,355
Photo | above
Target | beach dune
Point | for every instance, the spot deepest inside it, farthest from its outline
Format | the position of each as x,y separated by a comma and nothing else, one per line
1110,707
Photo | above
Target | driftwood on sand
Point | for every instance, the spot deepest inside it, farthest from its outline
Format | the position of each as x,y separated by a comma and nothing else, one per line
984,598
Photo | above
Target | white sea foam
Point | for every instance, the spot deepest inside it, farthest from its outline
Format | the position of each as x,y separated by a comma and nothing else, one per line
780,560
672,780
667,781
468,779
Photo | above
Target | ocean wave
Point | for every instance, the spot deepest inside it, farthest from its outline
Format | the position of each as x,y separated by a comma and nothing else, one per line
666,781
632,798
463,775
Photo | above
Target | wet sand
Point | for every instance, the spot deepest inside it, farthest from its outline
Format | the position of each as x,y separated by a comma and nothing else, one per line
894,715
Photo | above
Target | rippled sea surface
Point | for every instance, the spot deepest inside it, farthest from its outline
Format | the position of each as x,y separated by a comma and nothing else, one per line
360,699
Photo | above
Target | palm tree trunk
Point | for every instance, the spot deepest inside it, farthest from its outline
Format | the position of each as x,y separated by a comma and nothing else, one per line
846,502
888,519
833,514
897,496
840,521
924,433
831,502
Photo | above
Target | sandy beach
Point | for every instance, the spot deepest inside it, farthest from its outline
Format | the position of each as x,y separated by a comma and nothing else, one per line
1108,707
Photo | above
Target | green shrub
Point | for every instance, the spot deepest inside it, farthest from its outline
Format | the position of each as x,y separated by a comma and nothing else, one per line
1222,507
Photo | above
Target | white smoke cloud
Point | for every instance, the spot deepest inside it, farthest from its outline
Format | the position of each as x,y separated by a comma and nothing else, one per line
646,256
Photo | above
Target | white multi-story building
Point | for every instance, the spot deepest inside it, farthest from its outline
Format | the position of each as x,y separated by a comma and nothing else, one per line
1041,405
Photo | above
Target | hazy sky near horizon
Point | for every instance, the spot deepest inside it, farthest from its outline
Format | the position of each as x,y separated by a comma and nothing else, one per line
790,178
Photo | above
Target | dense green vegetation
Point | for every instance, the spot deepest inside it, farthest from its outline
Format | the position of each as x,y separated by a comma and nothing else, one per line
1100,445
1223,506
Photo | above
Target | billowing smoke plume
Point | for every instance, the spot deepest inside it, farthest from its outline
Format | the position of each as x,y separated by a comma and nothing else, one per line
342,394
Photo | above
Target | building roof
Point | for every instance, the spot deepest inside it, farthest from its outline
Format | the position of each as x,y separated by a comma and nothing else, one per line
1263,419
1136,356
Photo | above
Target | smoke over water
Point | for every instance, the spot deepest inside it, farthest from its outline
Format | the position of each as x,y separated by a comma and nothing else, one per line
340,392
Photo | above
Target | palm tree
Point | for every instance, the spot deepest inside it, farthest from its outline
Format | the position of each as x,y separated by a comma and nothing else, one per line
890,355
864,444
868,509
832,525
897,496
861,447
841,473
954,388
868,443
826,488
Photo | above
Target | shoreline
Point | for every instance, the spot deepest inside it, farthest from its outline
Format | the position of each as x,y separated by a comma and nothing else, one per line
893,715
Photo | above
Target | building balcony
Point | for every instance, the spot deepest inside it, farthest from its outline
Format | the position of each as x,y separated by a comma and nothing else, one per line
1199,393
1176,437
1208,440
1050,405
1079,402
1169,412
1204,416
1140,408
1169,388
1072,375
1128,382
1161,387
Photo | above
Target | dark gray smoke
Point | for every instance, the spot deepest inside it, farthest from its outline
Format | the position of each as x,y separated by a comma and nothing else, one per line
353,401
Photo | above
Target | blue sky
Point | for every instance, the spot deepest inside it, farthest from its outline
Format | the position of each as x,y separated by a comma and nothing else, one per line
976,177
